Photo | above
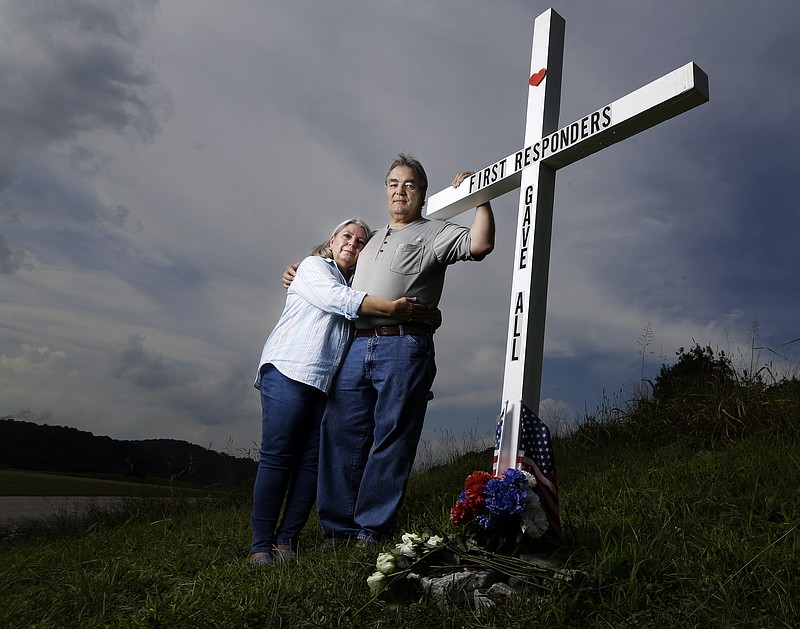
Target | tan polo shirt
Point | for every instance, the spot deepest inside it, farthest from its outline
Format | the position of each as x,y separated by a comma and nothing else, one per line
410,261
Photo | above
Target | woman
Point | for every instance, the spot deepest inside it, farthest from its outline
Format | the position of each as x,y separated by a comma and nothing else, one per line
298,363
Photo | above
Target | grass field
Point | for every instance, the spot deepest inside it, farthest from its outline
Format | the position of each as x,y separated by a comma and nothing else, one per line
682,509
672,537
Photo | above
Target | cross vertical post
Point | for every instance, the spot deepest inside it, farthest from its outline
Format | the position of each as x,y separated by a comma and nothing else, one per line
525,340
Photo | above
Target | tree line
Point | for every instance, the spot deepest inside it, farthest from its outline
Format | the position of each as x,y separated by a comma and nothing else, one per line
44,448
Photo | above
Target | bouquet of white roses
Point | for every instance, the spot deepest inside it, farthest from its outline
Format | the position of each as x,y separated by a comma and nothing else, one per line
396,563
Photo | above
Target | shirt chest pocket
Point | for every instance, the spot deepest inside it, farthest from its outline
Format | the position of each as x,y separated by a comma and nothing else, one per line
407,258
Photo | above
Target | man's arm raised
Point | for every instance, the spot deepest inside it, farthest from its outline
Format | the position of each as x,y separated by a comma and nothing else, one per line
482,229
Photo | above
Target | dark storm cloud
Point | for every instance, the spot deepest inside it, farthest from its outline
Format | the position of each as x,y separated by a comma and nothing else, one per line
11,260
146,368
208,402
218,402
70,67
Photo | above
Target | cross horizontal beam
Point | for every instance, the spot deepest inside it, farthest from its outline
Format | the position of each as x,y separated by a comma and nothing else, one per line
664,98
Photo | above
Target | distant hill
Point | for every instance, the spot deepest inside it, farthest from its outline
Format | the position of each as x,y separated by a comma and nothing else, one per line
44,448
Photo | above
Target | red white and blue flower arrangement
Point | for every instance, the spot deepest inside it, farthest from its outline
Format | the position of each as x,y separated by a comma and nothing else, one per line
500,512
498,517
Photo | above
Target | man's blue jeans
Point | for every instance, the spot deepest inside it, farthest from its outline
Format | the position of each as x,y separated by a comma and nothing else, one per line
378,399
291,413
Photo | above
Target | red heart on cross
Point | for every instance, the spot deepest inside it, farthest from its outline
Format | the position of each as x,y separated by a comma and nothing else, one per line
538,77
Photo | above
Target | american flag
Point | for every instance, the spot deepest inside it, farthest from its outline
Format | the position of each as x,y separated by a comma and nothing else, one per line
535,456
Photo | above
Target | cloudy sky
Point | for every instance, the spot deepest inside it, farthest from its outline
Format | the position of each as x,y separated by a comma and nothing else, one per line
162,161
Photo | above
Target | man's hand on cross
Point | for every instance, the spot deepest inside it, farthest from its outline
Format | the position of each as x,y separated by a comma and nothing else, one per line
460,177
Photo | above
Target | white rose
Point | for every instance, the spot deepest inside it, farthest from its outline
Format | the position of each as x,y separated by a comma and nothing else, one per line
534,520
530,480
376,582
386,562
434,541
407,549
412,538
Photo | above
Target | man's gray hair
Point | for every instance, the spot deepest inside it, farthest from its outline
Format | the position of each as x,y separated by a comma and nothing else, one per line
410,162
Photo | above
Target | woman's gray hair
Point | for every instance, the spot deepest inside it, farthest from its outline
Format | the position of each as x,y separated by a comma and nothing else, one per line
323,249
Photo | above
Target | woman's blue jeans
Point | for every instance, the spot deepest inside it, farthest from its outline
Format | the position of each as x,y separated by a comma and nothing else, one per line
370,433
291,413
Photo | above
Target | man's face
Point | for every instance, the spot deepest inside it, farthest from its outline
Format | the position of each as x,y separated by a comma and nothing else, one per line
404,196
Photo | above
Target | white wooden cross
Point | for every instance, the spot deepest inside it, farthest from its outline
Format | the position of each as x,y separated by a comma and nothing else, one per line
533,169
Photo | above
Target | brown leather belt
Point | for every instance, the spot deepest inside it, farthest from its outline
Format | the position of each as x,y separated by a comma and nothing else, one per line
395,330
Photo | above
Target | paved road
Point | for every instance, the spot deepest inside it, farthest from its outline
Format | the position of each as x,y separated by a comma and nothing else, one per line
16,509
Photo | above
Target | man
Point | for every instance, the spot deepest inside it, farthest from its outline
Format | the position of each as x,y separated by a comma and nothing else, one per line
382,390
